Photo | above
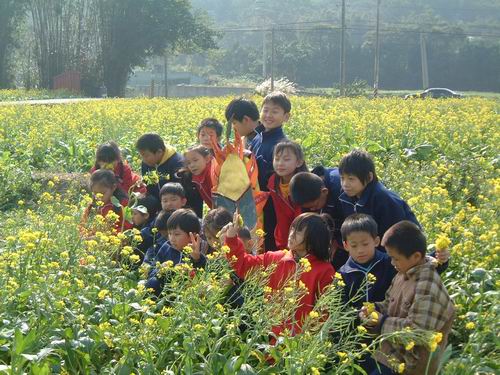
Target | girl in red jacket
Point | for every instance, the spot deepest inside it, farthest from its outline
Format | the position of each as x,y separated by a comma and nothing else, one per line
199,163
108,197
309,239
288,159
108,156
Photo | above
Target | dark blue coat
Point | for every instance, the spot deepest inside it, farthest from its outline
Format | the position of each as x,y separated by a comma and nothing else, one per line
150,256
262,146
354,275
385,206
166,172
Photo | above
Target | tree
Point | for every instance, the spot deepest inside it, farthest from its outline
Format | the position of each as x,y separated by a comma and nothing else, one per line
11,11
131,30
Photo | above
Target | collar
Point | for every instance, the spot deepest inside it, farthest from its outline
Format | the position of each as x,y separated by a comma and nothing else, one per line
365,196
412,272
169,152
273,133
352,266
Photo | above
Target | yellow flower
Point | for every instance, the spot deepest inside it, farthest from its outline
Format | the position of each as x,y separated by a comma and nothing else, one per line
220,308
20,202
313,314
225,249
409,346
103,293
134,258
305,264
401,368
260,233
187,250
370,307
314,371
442,242
371,278
149,322
438,337
362,330
470,325
342,355
127,250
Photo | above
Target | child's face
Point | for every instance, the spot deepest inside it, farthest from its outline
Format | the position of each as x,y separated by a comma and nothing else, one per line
361,246
286,162
317,204
105,191
296,243
244,127
273,116
400,262
352,185
138,218
178,238
151,159
205,136
195,162
172,202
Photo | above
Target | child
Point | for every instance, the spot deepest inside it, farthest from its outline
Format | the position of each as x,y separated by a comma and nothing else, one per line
319,191
104,186
143,216
199,162
183,229
288,160
209,130
310,239
108,156
172,196
244,115
246,238
364,193
417,299
160,225
160,158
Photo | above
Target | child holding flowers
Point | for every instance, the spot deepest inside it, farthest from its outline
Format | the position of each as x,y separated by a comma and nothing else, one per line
108,156
307,262
417,299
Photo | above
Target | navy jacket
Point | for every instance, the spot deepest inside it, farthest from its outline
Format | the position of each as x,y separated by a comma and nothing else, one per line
354,275
152,251
385,206
147,238
166,173
262,147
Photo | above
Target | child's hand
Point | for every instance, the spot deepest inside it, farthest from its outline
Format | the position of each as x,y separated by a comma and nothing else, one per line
369,319
195,245
231,230
443,255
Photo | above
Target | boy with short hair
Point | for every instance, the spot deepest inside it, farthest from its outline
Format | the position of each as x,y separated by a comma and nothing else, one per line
416,299
172,196
362,192
209,128
244,116
157,157
183,228
144,213
319,191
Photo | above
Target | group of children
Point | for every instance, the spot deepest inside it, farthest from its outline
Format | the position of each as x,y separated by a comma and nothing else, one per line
340,219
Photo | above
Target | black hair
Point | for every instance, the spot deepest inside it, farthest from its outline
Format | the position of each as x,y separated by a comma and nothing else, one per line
152,204
173,188
295,149
244,233
184,219
108,152
305,187
406,238
280,99
210,123
162,219
359,223
108,179
151,142
216,219
358,163
200,149
241,107
317,236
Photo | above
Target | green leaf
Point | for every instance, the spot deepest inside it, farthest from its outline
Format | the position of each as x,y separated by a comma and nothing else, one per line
115,202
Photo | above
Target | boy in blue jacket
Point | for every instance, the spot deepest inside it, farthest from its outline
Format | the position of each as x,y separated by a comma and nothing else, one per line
275,111
183,228
144,213
362,192
368,267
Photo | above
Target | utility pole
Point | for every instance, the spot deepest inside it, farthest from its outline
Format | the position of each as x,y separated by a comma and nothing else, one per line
264,54
272,59
342,53
165,73
423,55
377,53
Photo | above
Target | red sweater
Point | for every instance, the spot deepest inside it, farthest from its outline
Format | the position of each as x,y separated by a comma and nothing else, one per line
204,184
316,280
126,178
286,211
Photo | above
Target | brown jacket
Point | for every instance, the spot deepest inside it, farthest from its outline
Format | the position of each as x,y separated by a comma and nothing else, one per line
419,300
